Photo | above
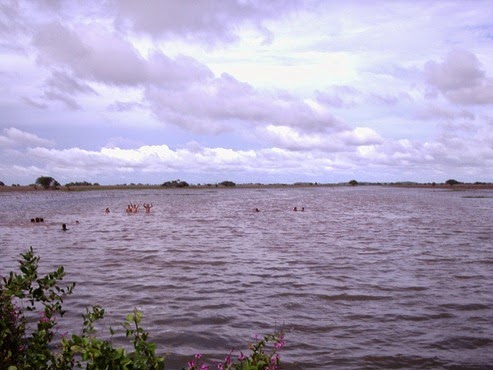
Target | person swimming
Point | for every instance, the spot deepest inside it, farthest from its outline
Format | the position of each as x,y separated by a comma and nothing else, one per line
132,208
64,227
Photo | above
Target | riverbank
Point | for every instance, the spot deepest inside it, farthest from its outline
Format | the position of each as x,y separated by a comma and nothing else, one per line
456,187
482,186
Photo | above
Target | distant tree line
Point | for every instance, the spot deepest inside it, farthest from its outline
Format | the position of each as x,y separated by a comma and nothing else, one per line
3,184
48,182
81,183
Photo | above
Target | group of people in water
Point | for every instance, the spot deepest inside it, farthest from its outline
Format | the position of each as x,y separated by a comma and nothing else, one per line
295,209
133,208
41,219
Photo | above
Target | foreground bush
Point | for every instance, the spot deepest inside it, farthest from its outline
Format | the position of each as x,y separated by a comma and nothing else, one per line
30,307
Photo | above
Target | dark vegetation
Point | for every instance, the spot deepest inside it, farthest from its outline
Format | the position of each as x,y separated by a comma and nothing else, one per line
175,184
227,183
47,182
81,183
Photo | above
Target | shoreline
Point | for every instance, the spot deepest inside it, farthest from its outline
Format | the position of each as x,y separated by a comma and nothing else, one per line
456,187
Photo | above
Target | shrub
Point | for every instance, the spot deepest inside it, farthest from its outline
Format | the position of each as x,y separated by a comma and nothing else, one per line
175,184
47,182
227,183
452,182
31,305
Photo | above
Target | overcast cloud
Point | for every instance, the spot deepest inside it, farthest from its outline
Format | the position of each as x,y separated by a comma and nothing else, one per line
249,91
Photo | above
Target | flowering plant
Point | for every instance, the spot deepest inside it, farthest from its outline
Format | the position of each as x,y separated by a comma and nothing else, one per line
264,356
30,307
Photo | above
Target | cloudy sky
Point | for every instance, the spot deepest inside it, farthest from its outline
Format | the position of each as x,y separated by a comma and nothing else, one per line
276,91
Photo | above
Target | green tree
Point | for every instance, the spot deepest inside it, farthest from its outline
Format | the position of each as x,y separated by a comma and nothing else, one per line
353,182
46,182
452,182
175,184
1,183
227,183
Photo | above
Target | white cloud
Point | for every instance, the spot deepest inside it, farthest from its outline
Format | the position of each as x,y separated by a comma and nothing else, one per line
221,103
343,141
280,89
203,21
460,78
13,137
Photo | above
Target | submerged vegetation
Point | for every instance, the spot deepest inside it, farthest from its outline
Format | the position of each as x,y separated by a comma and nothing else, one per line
30,311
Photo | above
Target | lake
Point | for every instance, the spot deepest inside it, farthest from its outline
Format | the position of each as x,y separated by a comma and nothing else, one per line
365,277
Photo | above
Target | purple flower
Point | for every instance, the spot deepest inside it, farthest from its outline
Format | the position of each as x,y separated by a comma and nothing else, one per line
227,360
274,360
279,345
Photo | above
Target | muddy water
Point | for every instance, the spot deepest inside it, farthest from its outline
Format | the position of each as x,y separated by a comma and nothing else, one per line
365,277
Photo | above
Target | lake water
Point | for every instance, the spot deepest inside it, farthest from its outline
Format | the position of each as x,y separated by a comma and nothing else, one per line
364,278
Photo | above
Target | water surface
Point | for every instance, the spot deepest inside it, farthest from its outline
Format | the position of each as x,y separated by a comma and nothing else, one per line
364,278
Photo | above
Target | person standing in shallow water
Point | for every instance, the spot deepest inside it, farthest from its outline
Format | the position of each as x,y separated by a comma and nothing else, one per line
64,227
148,207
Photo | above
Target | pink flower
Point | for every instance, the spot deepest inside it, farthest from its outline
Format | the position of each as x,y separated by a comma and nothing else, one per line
227,360
274,360
279,344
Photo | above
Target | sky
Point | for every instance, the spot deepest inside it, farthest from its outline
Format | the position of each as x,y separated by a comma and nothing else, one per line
249,91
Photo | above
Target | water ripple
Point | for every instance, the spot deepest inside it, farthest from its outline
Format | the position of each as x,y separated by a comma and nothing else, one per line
364,278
